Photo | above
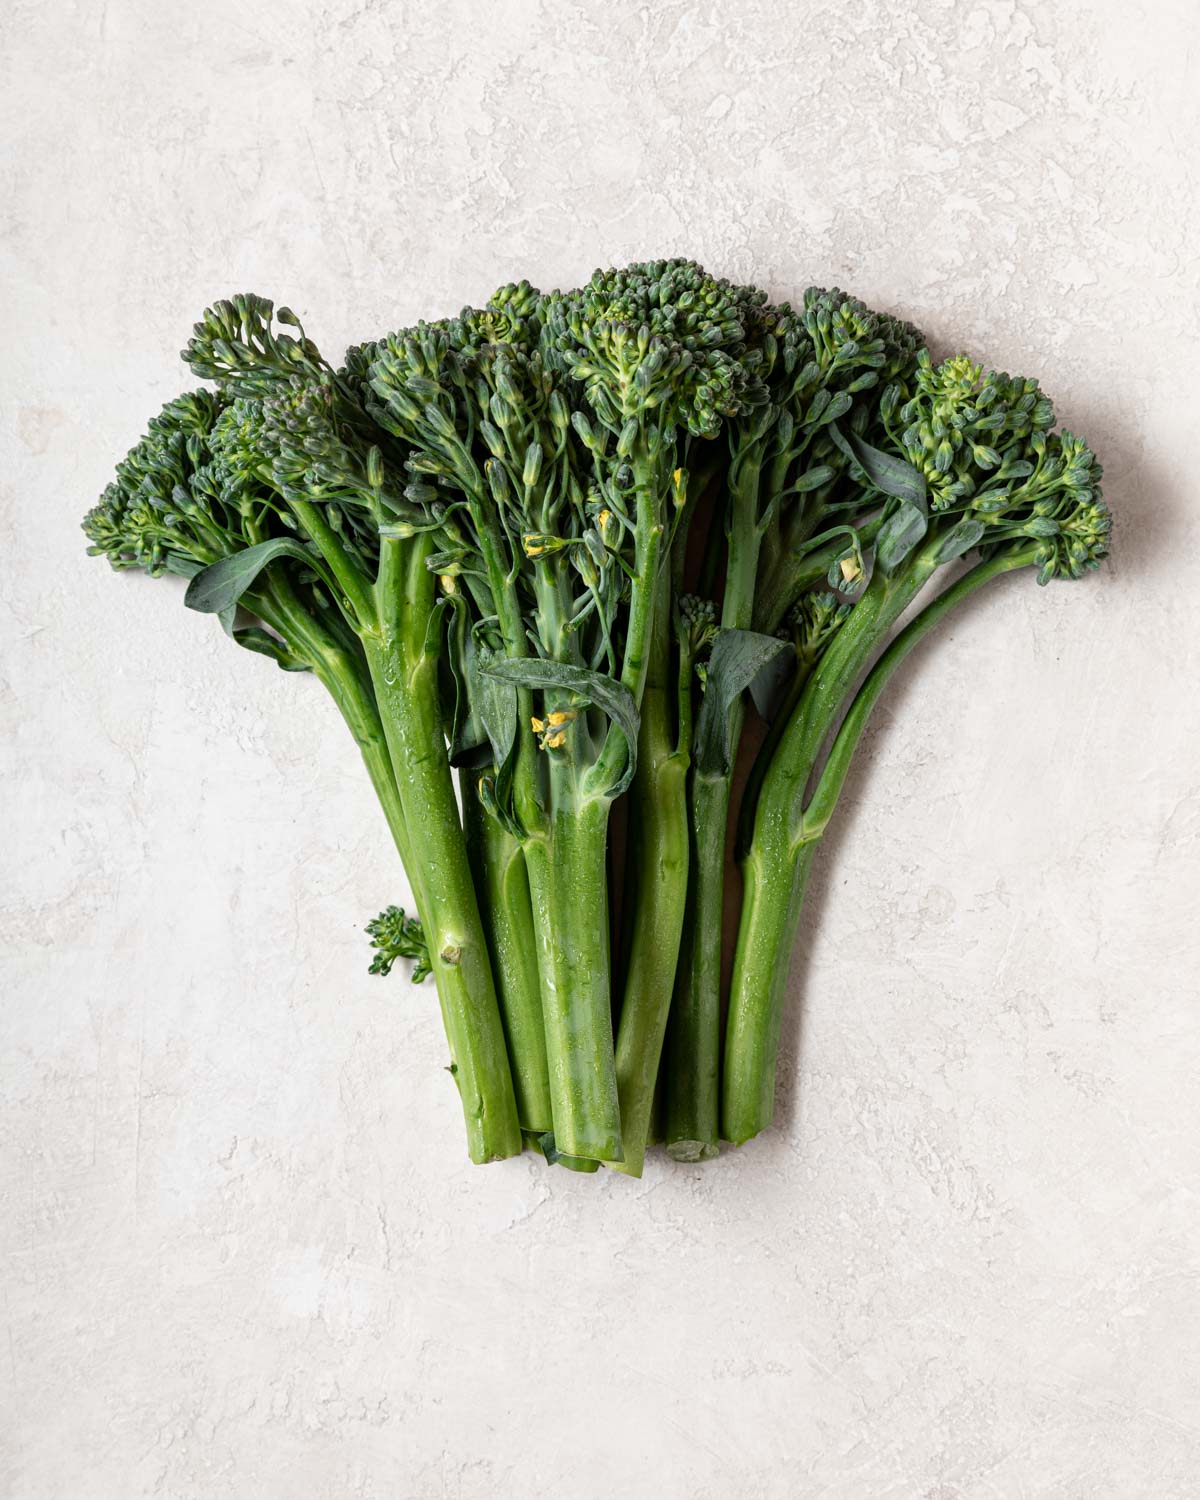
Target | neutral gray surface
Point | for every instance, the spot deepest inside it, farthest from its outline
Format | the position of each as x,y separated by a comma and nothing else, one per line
246,1256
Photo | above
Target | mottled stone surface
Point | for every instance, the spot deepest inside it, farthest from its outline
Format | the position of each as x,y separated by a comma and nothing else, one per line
245,1256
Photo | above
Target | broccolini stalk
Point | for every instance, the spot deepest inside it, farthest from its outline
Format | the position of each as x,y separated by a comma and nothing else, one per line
986,473
503,890
551,429
819,367
657,862
301,431
527,549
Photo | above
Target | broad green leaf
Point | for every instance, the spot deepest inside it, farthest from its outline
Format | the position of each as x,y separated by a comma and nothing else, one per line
960,539
462,686
223,583
604,693
769,684
886,471
496,706
738,656
899,534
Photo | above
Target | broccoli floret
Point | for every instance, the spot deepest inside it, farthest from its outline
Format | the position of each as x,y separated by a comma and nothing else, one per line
395,935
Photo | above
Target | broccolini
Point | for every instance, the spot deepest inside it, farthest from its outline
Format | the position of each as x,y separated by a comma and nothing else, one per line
567,547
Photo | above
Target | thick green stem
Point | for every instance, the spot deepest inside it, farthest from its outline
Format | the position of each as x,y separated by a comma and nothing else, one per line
350,578
691,1069
569,889
657,865
774,879
775,866
503,891
693,1050
406,689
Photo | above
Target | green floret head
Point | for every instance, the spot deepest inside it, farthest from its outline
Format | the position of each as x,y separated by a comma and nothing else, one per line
237,343
129,532
512,316
394,935
293,442
355,370
697,624
157,515
965,429
300,431
662,340
846,333
1061,505
238,441
813,622
411,371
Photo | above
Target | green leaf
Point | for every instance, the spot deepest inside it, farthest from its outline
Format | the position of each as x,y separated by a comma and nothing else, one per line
769,684
223,583
497,707
495,704
254,639
468,735
899,534
959,540
604,693
887,472
738,656
549,1150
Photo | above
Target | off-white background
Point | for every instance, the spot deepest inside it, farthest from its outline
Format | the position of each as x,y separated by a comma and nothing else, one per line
245,1255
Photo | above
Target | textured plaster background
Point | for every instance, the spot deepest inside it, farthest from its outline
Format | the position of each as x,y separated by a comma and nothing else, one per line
244,1255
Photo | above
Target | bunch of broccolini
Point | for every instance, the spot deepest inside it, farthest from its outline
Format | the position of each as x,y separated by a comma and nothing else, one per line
566,547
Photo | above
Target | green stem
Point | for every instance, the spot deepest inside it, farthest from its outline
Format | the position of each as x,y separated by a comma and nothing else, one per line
350,578
692,1073
692,1056
406,689
657,865
774,879
502,888
648,481
569,890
